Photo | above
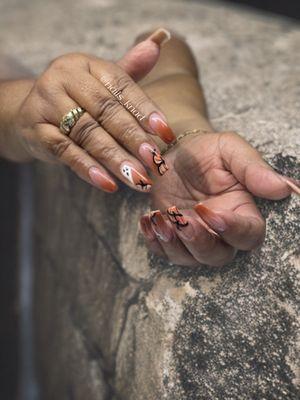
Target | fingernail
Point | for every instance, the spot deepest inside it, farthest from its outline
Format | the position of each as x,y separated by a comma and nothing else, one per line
211,218
145,227
161,36
186,230
160,227
159,126
292,183
176,217
152,157
140,181
101,180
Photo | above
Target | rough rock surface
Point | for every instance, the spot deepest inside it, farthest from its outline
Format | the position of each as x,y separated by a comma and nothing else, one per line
115,323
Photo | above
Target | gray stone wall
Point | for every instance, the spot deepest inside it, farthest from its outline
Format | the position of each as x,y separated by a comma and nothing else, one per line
113,322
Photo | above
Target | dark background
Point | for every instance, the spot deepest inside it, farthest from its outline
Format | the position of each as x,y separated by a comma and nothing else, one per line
9,353
285,7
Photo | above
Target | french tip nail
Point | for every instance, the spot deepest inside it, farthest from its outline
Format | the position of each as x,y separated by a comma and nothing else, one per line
161,36
292,184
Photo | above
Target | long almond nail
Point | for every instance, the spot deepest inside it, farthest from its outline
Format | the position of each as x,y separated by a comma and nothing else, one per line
211,218
292,183
145,227
160,227
152,157
185,229
159,126
161,36
140,181
101,181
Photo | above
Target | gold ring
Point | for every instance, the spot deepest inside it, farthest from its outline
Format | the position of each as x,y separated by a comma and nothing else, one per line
70,119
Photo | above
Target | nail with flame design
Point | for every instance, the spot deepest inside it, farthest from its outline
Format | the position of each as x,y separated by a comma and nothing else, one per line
140,181
176,217
153,158
160,227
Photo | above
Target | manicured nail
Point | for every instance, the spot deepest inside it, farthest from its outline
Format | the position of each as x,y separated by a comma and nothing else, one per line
160,227
159,125
135,177
176,217
292,183
186,229
152,157
211,218
101,180
160,36
145,227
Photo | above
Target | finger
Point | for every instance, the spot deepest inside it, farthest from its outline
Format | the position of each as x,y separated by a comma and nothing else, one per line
102,147
172,246
243,229
150,237
205,246
66,151
132,98
122,126
88,135
252,171
140,59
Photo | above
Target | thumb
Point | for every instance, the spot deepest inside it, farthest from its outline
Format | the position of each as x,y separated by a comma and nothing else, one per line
140,59
248,166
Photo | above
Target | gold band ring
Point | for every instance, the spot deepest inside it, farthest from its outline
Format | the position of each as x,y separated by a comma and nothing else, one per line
70,119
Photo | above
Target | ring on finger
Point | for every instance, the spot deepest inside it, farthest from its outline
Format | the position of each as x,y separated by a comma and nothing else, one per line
70,119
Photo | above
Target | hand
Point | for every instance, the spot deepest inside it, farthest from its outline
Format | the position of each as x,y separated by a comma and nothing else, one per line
112,134
222,171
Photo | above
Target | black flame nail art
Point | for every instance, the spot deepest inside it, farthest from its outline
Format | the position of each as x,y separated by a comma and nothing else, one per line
159,162
176,217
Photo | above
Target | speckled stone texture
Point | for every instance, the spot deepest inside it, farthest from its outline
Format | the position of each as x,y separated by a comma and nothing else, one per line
114,323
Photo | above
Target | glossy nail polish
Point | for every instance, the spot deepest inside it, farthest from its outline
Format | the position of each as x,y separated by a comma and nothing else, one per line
161,36
145,227
152,157
101,180
186,229
135,177
159,126
160,227
211,218
176,217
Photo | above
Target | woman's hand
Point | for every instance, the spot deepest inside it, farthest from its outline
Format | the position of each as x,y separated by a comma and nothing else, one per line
112,134
222,171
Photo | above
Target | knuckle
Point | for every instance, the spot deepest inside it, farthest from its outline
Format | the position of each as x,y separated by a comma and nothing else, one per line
56,147
66,61
83,130
128,133
106,108
123,82
45,85
107,153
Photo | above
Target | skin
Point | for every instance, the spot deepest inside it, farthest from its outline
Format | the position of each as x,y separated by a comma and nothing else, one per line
219,169
107,137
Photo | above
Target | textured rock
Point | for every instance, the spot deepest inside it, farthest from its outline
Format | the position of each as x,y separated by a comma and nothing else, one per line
113,322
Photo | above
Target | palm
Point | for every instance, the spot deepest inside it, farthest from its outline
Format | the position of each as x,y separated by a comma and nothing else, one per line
197,173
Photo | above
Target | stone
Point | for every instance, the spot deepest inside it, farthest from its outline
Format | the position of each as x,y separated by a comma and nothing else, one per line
114,322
